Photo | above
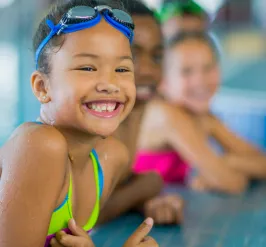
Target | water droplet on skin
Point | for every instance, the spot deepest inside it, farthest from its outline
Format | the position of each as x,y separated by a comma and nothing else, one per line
1,207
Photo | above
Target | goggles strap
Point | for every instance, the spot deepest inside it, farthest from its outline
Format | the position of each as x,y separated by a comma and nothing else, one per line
61,28
119,26
53,32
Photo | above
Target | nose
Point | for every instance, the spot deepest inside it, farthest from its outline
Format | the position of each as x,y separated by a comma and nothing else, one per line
199,79
107,83
107,88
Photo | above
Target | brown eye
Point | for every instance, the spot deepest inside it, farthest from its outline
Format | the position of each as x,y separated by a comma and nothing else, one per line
89,69
122,70
157,58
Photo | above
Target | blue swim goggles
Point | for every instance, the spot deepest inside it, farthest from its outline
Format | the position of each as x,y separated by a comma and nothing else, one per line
81,17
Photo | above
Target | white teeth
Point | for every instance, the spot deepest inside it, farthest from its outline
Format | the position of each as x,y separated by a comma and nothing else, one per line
102,107
110,108
98,109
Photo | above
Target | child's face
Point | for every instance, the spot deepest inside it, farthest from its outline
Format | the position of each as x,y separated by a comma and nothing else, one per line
148,51
191,75
92,75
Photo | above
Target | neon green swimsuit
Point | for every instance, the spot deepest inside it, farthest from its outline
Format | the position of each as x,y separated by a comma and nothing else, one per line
63,213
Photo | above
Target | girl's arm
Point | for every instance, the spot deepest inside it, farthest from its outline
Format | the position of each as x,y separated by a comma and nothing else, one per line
182,134
231,142
241,155
133,195
34,167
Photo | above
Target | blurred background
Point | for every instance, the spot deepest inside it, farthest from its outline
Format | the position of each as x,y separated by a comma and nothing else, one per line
239,27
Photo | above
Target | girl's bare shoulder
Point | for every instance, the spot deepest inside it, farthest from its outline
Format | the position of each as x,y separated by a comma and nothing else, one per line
167,113
36,141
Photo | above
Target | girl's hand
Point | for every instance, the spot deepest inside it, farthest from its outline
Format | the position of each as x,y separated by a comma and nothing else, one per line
165,209
80,238
199,184
139,238
237,186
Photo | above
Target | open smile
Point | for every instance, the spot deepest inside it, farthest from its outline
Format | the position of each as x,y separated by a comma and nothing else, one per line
104,108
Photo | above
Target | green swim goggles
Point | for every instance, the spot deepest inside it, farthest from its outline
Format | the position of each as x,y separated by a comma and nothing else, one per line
178,8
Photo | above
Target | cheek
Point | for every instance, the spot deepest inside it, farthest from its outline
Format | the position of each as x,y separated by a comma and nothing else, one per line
181,85
67,95
66,92
158,75
183,90
214,79
130,95
176,89
128,86
131,91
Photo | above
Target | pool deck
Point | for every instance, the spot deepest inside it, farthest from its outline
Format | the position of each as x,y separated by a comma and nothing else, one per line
210,221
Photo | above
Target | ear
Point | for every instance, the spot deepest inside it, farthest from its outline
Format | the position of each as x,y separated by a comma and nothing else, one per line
39,83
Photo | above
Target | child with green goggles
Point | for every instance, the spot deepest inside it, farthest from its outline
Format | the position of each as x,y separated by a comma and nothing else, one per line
172,8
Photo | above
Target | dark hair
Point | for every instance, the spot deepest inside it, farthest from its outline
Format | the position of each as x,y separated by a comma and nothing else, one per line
57,10
204,37
135,7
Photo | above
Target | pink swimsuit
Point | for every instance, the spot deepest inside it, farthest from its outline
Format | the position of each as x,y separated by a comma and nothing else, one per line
171,167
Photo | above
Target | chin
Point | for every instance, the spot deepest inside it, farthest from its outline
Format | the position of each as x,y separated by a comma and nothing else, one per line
104,130
200,110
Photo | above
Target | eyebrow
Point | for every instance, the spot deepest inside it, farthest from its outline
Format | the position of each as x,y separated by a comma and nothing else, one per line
86,55
97,57
125,58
